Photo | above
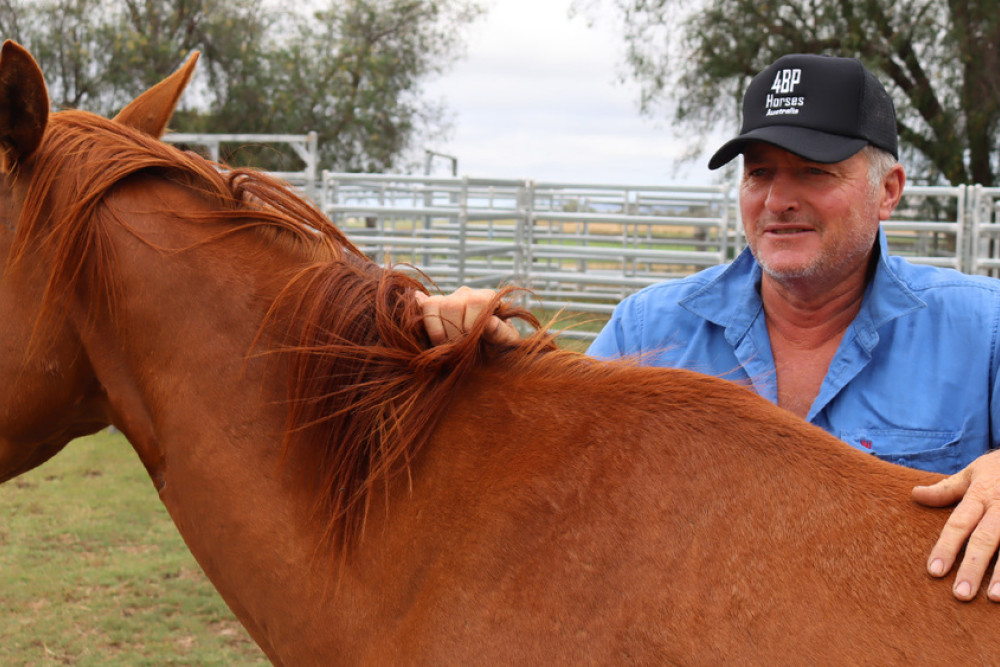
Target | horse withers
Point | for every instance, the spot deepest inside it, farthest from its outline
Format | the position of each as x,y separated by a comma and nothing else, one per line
358,496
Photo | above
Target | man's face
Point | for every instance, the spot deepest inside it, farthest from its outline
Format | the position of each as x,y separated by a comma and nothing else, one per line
807,220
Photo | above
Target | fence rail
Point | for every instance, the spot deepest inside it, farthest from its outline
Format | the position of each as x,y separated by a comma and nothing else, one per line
304,146
584,247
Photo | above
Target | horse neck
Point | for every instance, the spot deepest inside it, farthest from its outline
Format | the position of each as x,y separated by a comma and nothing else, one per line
206,417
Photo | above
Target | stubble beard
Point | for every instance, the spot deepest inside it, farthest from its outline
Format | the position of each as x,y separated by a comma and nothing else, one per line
829,263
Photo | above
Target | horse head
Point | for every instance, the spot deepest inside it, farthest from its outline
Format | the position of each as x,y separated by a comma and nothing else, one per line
50,393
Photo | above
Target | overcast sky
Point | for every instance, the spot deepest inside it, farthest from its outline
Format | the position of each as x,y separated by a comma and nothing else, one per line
536,97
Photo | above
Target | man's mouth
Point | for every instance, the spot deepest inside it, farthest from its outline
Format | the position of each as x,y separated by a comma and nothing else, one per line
788,230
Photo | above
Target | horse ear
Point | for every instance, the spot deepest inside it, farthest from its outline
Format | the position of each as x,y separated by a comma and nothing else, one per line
24,104
151,111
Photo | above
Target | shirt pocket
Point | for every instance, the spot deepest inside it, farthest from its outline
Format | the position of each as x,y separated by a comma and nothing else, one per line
934,451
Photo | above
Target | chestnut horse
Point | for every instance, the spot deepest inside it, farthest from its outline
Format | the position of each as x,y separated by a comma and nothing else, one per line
357,496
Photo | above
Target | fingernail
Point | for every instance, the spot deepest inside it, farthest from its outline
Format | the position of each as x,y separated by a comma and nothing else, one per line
995,591
963,589
937,567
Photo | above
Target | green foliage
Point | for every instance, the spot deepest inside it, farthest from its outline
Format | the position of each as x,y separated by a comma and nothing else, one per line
939,60
351,71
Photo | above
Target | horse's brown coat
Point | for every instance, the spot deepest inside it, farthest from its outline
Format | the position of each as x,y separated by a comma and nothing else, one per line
359,497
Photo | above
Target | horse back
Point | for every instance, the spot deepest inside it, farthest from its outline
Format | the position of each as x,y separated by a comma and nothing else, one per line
652,515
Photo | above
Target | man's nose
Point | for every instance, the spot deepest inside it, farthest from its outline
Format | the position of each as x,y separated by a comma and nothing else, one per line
782,193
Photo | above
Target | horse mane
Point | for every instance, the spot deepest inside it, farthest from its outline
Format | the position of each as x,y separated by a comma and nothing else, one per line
366,387
84,157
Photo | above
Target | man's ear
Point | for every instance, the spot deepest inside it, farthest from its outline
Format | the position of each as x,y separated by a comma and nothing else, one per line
892,191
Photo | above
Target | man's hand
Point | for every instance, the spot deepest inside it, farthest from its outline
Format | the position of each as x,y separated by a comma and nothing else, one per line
449,317
976,519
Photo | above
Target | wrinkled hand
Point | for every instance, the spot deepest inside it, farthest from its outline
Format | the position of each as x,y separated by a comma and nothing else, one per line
976,519
450,316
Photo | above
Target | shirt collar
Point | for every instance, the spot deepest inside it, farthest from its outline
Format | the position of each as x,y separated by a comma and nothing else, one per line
887,297
732,299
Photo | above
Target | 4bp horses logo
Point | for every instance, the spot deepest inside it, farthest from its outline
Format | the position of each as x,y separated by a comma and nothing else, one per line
782,101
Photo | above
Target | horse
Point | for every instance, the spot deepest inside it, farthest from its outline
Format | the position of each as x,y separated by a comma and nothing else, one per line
358,496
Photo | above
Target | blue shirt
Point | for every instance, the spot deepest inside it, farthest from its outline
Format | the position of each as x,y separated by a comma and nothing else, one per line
914,380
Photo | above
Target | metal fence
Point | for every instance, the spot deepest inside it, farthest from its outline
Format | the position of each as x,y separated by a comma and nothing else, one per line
304,146
581,248
984,247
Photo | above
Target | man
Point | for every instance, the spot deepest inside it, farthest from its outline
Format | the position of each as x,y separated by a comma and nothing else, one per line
896,359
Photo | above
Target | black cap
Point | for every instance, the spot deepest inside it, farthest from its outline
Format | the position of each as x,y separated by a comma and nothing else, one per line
822,108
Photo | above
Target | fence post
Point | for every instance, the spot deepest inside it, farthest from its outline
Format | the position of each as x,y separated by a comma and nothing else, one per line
312,164
963,237
526,235
463,229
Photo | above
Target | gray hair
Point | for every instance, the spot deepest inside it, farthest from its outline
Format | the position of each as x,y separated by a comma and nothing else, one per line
879,163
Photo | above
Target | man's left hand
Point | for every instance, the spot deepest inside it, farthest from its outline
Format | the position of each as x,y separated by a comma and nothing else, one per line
975,523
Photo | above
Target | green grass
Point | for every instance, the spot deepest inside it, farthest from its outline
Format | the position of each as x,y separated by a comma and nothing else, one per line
573,321
93,571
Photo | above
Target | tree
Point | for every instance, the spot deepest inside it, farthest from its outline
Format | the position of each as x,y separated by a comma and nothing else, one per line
352,71
98,55
64,36
939,60
150,38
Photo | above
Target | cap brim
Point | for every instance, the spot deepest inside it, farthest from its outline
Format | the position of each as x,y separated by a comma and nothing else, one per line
807,143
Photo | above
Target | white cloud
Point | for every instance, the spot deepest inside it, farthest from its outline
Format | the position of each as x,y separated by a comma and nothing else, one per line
537,98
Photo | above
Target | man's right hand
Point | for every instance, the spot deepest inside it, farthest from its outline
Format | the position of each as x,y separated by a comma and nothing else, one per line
449,317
